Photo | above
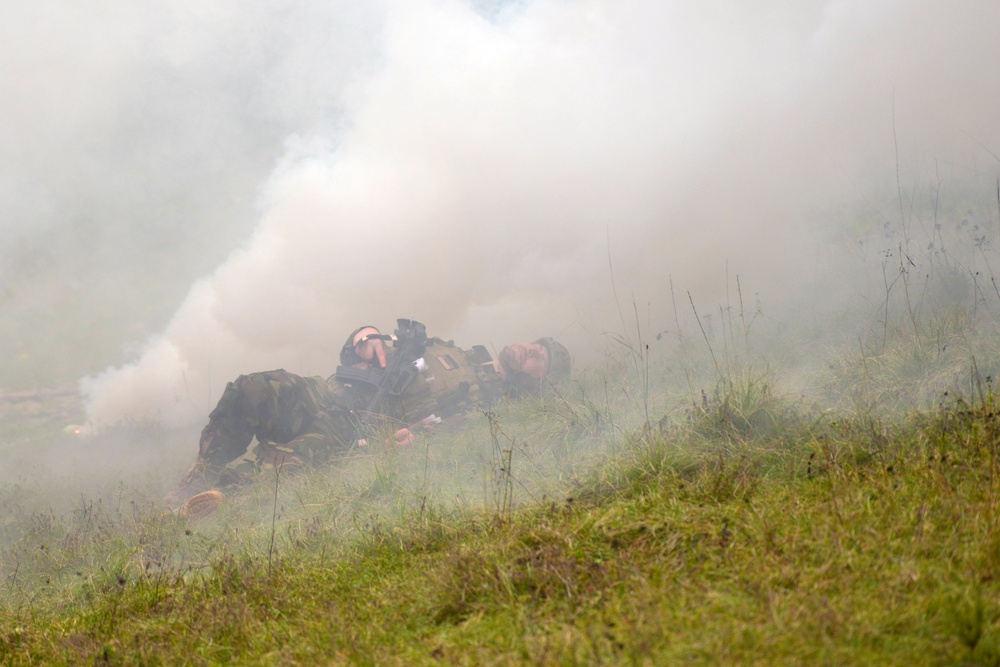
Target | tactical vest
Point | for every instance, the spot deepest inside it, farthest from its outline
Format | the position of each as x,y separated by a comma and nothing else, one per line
450,381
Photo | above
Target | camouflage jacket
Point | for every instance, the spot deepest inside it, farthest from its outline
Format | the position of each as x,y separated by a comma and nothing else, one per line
311,419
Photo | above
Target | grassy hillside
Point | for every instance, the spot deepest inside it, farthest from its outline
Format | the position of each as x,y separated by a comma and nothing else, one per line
742,531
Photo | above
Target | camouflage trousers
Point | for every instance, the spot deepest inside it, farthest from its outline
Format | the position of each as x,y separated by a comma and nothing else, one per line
294,418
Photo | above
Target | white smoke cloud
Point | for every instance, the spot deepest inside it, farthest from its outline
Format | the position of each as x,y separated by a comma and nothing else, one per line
486,170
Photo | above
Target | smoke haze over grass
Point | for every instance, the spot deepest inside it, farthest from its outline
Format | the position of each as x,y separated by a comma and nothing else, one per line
213,188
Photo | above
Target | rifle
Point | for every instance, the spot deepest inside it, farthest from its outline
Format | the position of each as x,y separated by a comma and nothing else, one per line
409,342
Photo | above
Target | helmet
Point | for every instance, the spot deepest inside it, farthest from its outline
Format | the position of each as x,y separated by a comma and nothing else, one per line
560,363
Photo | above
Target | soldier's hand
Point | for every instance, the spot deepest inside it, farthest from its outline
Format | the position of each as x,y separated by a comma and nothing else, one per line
401,438
372,349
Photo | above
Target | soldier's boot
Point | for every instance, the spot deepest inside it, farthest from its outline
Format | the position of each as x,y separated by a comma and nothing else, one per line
200,478
203,504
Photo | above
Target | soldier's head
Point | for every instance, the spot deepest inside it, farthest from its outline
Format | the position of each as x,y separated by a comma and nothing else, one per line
528,364
560,364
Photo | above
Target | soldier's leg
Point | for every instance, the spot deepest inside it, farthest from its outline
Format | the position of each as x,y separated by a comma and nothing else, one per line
232,423
276,406
292,423
329,432
225,438
299,421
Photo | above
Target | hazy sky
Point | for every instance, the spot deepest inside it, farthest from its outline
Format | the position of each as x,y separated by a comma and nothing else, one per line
297,169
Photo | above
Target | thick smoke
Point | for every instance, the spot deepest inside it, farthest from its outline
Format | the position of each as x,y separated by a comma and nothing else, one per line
523,171
134,140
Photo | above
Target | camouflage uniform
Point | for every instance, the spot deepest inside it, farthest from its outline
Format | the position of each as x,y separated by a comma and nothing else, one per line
285,412
311,419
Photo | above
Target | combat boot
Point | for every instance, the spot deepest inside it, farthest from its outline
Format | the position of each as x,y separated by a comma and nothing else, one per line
202,477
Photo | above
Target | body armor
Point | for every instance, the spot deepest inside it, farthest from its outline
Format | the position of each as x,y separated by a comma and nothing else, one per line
448,381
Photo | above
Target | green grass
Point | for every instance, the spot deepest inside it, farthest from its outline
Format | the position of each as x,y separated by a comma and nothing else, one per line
740,533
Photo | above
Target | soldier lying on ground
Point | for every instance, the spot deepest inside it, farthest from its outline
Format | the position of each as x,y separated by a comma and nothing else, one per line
379,392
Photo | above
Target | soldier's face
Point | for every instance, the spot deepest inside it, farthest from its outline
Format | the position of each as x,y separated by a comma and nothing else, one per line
531,359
